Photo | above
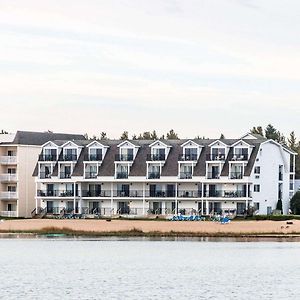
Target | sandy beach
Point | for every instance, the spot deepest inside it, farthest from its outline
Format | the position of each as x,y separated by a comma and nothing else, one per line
102,226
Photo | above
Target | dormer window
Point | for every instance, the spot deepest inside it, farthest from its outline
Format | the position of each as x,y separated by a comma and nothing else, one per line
126,154
70,154
95,154
190,154
240,153
218,153
50,154
159,154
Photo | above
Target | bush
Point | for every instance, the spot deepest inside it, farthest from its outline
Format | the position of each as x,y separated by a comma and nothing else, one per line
295,204
279,205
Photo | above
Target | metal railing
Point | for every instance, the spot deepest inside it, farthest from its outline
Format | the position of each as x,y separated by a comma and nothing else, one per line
68,157
124,157
213,157
91,175
44,175
131,193
185,175
189,194
47,157
153,175
213,175
93,157
55,193
96,193
156,157
236,175
121,175
226,194
64,175
238,157
160,194
187,157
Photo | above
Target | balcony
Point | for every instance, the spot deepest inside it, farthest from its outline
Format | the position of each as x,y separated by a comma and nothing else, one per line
9,213
236,175
215,157
156,157
91,175
55,193
238,157
68,157
93,157
161,194
8,160
47,157
122,175
64,175
153,175
131,193
9,195
44,175
189,194
124,157
226,194
185,175
187,157
8,177
213,175
96,193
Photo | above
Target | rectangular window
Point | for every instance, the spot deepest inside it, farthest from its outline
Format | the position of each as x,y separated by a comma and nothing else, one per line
257,170
256,188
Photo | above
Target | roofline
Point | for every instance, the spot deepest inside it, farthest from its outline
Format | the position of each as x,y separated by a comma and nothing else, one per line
70,141
217,141
96,141
280,145
156,141
191,141
127,141
241,140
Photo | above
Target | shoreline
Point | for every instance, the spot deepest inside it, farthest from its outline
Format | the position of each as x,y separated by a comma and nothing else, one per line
159,229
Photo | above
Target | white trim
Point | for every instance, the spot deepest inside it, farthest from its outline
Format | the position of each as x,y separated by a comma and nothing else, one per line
191,141
217,141
159,141
127,141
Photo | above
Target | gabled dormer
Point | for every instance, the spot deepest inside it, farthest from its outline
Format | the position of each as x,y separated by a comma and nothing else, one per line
50,152
159,151
96,152
218,151
241,151
70,151
190,151
127,151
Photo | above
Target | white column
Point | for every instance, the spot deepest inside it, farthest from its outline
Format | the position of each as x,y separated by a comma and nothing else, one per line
80,199
143,198
207,207
74,197
176,198
163,207
111,198
247,195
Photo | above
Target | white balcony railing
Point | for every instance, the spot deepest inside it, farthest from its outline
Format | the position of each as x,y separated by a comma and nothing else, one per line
8,195
7,160
8,177
9,214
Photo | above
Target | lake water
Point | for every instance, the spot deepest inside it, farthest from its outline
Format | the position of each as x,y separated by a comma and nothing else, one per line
147,269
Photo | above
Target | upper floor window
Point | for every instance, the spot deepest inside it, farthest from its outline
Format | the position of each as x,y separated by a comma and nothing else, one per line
256,188
126,154
191,153
159,153
240,153
50,154
95,154
217,153
70,154
257,170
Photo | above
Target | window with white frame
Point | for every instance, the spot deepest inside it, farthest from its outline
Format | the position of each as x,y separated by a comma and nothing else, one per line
256,188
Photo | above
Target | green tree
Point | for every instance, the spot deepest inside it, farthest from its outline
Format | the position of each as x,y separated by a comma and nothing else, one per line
292,141
272,133
295,204
257,130
172,135
146,135
153,135
103,136
222,136
134,137
124,136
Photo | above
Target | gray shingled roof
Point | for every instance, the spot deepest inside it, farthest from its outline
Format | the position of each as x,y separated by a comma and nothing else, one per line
40,138
171,165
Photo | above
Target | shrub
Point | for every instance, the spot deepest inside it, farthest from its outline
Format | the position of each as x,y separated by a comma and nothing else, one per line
295,204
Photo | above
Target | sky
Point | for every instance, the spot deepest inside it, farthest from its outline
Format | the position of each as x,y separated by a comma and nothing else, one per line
200,67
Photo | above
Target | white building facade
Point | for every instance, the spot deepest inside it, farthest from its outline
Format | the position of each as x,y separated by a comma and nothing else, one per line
164,177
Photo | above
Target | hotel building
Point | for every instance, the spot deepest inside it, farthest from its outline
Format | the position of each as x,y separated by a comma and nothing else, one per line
163,177
18,156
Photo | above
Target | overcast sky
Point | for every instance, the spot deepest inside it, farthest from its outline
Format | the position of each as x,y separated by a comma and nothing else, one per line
200,67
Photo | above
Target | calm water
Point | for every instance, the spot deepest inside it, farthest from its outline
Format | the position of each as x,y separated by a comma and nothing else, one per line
139,269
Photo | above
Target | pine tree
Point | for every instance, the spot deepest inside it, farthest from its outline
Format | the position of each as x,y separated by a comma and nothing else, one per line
172,135
124,136
292,141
